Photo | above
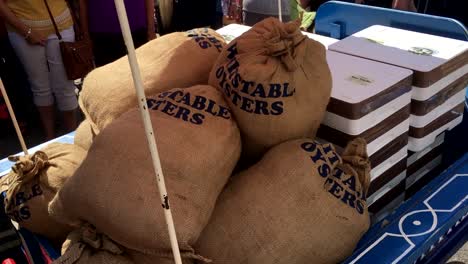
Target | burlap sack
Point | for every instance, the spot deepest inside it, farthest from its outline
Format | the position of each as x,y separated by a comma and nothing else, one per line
34,181
84,134
140,258
301,203
277,83
181,59
115,188
85,246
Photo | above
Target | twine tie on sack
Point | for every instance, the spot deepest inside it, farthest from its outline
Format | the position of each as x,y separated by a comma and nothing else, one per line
89,238
25,170
283,47
187,252
355,154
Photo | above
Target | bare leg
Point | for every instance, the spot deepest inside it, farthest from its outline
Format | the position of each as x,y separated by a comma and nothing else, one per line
47,114
412,7
70,120
406,5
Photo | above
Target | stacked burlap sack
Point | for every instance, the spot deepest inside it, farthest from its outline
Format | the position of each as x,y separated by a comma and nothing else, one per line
115,188
302,203
85,133
33,182
176,60
84,245
276,81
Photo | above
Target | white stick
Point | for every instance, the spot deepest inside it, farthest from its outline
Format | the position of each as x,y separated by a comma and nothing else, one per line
280,12
123,19
13,119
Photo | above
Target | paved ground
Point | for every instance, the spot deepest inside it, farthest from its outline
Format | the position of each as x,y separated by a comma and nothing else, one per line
461,256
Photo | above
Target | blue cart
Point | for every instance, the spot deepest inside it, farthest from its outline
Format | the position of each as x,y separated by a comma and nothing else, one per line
433,224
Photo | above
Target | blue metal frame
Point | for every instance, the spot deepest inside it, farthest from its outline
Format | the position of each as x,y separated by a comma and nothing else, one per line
338,20
417,226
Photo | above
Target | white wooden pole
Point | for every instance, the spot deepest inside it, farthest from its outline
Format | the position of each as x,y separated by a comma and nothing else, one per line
13,118
123,20
280,11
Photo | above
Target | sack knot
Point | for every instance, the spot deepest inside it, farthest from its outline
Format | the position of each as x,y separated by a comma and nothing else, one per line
355,154
25,169
282,41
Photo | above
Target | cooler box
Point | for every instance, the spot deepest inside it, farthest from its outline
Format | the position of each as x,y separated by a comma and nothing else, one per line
440,75
371,100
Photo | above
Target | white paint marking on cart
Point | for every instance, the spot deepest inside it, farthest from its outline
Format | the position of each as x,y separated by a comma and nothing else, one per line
407,237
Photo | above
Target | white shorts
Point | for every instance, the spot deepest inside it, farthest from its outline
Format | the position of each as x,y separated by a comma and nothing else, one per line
45,70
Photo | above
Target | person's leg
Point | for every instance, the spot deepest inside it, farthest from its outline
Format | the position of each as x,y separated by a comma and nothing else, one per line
406,5
47,115
33,58
64,89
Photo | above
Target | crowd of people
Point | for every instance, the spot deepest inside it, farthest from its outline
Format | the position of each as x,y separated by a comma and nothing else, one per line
31,60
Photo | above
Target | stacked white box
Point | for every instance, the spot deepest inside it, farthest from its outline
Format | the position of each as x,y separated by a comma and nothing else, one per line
440,75
371,100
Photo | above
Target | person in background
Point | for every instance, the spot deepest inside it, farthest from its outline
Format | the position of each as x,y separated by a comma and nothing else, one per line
219,14
16,85
405,5
32,36
302,9
99,22
255,11
232,10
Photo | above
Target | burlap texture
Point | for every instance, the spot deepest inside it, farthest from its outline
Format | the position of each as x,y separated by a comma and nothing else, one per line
84,134
86,246
164,257
34,181
277,83
115,188
180,59
301,203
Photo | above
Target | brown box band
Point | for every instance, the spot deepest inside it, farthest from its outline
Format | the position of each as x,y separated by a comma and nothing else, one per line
386,177
389,150
421,108
358,110
341,139
446,118
426,79
387,198
424,160
418,185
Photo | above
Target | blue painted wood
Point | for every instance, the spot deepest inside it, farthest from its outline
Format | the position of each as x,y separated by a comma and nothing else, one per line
419,223
338,20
